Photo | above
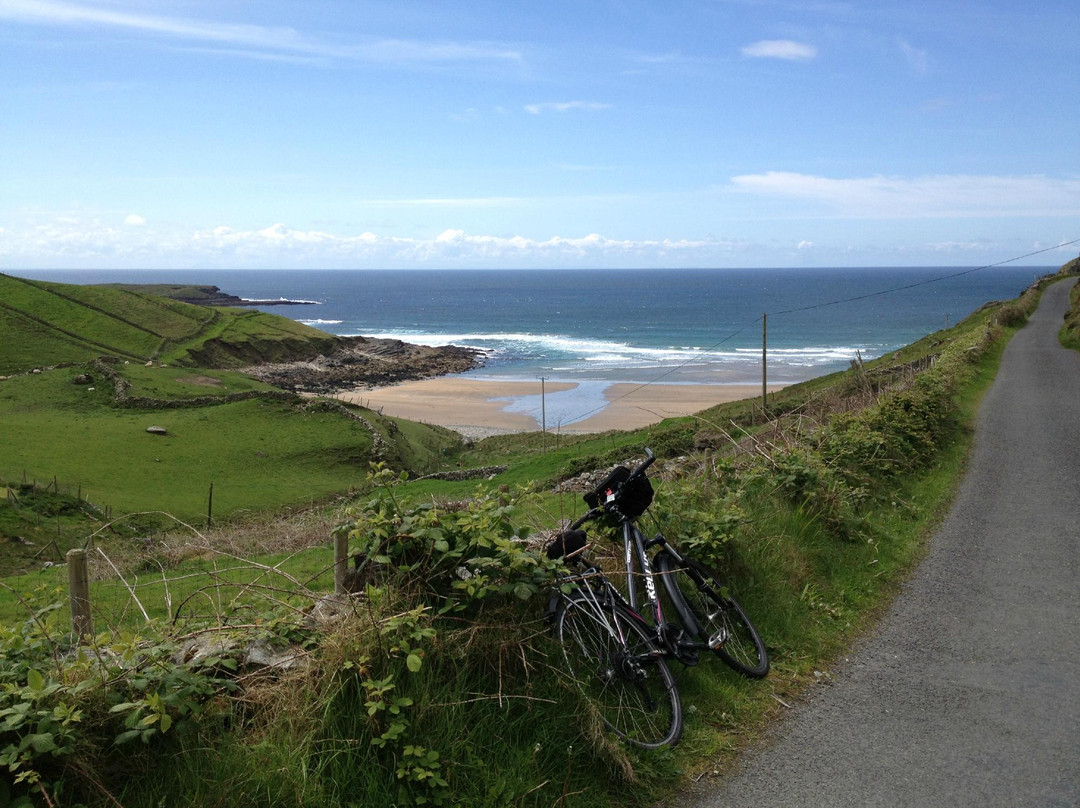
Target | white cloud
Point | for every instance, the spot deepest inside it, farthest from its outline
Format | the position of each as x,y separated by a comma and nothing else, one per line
257,37
91,243
78,242
780,49
937,196
565,106
918,59
134,220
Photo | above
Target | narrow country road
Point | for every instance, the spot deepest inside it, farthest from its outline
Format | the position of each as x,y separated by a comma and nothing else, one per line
968,693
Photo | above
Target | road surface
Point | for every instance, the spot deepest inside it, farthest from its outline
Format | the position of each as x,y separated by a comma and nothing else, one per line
968,693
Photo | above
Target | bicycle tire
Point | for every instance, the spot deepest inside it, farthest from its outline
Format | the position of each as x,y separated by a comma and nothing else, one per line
704,610
603,644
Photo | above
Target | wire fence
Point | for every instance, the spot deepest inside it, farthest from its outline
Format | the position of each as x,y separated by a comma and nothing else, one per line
216,587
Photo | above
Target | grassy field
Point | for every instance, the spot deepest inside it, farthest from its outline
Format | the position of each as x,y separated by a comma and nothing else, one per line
44,323
257,455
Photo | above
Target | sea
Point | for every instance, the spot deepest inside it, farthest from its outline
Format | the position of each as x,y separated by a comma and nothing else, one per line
598,327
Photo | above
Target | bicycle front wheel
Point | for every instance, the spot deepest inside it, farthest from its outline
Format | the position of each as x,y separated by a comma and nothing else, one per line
715,618
615,663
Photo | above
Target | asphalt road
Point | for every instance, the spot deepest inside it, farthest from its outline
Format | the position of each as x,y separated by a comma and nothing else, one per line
968,693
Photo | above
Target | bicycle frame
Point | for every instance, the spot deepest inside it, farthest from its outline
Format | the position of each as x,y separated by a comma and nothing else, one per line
636,557
706,620
587,581
671,636
639,564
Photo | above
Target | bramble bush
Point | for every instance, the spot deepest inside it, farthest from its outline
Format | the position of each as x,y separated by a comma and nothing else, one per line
61,701
451,556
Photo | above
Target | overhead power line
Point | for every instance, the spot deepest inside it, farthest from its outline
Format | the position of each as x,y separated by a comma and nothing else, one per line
811,307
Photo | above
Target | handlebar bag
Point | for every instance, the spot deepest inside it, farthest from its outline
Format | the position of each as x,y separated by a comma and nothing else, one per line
629,499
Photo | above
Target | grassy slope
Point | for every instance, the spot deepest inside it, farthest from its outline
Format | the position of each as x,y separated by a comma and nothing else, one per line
45,323
1070,332
258,454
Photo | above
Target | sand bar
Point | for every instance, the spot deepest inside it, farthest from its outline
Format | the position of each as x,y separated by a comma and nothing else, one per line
478,407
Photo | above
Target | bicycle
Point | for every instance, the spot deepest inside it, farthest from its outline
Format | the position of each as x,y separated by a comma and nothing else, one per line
619,658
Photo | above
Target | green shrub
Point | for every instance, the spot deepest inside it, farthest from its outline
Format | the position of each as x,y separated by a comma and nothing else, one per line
64,708
450,556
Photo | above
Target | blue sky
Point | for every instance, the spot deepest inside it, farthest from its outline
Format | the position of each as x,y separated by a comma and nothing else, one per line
715,133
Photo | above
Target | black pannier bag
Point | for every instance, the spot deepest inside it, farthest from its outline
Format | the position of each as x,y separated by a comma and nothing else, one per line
629,500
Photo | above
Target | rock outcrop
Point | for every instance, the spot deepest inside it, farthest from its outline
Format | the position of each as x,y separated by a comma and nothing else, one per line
367,362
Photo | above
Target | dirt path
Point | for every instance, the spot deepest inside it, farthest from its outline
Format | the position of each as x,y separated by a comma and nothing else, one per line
969,693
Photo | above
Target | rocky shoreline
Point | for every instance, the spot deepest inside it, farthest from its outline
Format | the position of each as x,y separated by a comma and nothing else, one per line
366,362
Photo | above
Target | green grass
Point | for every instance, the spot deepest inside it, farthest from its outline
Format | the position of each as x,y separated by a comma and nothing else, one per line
58,306
170,383
239,337
43,323
29,343
257,454
1070,331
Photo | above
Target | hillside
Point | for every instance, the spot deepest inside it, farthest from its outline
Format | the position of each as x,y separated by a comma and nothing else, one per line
86,370
1070,332
44,323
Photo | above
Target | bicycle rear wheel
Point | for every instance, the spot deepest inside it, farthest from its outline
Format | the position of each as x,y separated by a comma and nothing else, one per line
614,661
713,617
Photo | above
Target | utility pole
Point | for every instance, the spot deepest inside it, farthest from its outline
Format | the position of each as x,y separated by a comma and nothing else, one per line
543,412
764,364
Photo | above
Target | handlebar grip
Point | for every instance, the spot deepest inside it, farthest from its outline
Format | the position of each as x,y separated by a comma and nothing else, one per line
595,512
650,458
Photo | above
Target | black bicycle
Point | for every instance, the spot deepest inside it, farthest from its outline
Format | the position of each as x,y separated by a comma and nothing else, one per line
617,656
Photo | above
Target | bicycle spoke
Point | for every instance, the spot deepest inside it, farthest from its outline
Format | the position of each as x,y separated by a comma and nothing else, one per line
616,667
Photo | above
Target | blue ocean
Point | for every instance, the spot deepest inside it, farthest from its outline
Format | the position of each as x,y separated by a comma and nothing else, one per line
671,326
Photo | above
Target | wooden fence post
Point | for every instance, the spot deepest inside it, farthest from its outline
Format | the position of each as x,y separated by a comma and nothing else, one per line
79,593
341,561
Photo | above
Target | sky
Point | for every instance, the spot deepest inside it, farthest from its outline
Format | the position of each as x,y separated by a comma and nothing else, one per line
563,133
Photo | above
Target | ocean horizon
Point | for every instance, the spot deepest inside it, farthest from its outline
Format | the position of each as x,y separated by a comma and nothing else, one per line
597,328
640,326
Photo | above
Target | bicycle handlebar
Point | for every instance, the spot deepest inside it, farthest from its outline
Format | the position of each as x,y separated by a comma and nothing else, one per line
650,458
595,513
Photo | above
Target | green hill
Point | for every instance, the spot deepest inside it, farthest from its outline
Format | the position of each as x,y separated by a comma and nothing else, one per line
80,393
43,323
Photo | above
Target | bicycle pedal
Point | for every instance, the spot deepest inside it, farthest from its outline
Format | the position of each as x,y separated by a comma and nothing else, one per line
717,640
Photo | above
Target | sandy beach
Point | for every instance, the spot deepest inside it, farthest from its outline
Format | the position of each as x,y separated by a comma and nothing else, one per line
478,407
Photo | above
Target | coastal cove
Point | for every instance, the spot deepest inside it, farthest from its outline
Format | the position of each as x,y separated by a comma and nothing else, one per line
612,348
